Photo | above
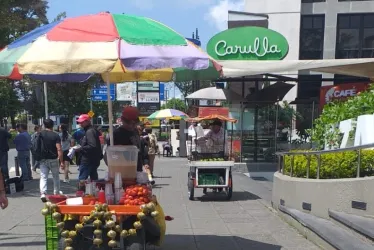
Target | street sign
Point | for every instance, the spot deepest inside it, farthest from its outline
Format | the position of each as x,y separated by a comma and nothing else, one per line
102,98
162,91
91,113
100,93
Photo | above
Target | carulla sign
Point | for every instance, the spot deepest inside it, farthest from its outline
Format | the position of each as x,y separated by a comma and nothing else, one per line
248,43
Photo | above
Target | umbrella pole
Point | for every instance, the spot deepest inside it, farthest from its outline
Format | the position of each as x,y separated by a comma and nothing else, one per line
45,100
110,111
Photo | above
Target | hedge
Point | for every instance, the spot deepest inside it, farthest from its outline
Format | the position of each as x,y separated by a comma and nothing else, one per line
333,165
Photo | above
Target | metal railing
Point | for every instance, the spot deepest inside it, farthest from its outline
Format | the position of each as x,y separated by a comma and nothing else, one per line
309,154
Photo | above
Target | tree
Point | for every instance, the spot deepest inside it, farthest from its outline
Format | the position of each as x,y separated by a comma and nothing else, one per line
69,99
18,17
9,101
187,88
178,104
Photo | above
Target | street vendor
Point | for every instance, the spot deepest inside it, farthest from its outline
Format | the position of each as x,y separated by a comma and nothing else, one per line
216,133
127,134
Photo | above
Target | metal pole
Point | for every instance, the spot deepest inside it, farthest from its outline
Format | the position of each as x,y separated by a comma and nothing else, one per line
308,166
359,163
318,165
110,112
46,100
241,131
276,125
174,96
91,104
292,164
311,141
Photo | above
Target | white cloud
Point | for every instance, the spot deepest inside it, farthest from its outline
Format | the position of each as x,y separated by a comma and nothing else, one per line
218,14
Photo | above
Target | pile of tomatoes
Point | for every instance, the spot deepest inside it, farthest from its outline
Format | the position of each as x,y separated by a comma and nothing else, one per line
136,195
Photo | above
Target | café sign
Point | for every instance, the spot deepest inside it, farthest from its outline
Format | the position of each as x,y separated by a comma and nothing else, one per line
248,43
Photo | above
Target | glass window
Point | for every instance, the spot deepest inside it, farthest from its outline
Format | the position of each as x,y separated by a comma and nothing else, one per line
312,36
355,36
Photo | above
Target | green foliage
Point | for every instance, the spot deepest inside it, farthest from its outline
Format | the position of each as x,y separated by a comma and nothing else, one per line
18,17
338,111
333,166
174,103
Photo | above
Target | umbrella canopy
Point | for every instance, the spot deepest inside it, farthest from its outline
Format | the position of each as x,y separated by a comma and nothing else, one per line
213,93
167,114
271,94
76,48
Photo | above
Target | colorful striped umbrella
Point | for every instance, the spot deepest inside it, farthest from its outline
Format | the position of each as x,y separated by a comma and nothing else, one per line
167,114
129,48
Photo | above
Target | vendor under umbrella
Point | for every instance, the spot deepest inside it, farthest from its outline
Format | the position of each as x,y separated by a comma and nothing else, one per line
127,134
214,139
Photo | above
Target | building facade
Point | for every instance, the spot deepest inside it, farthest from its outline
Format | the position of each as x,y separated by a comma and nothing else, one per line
314,29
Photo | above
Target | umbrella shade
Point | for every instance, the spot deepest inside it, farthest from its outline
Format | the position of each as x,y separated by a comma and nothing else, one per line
271,94
167,114
76,48
213,93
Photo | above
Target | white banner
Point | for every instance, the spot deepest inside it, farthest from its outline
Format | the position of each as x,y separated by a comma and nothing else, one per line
124,91
148,97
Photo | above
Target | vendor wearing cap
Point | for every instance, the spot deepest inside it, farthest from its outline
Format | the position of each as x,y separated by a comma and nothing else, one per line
90,150
127,134
216,133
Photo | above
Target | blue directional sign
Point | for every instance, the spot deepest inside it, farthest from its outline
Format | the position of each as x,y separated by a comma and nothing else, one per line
100,93
162,91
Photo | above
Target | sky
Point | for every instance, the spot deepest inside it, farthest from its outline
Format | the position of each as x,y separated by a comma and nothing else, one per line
184,16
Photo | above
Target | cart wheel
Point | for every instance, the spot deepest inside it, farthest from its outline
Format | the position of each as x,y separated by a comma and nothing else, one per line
191,190
229,190
205,191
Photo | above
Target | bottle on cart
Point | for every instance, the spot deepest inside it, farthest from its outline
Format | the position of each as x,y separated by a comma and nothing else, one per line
101,197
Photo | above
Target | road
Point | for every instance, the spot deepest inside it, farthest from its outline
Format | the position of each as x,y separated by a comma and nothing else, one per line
246,222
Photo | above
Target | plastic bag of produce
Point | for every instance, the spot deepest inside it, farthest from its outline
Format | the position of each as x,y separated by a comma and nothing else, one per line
160,219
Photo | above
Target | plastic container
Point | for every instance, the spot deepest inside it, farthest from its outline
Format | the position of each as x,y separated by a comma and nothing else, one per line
122,159
52,233
208,179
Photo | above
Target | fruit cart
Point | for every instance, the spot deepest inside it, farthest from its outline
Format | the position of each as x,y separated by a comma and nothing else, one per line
210,164
95,225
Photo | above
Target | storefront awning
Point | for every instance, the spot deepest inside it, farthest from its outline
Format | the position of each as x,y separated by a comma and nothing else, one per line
354,67
214,93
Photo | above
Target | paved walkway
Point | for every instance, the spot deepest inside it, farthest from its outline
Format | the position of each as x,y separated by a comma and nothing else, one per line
243,223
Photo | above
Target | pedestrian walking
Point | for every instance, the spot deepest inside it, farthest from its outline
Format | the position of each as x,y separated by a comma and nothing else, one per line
153,149
23,146
77,138
34,163
4,149
48,152
90,150
3,198
66,143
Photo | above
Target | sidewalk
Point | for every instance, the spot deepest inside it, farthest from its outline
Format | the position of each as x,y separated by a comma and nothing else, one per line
243,223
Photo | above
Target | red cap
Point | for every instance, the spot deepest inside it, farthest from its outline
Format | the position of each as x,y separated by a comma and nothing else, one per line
83,118
130,113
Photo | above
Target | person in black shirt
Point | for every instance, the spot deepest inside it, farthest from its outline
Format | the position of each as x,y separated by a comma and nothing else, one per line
90,150
51,159
128,134
4,148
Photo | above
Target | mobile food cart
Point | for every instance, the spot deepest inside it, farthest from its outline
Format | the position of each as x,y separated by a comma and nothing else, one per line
114,213
209,162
